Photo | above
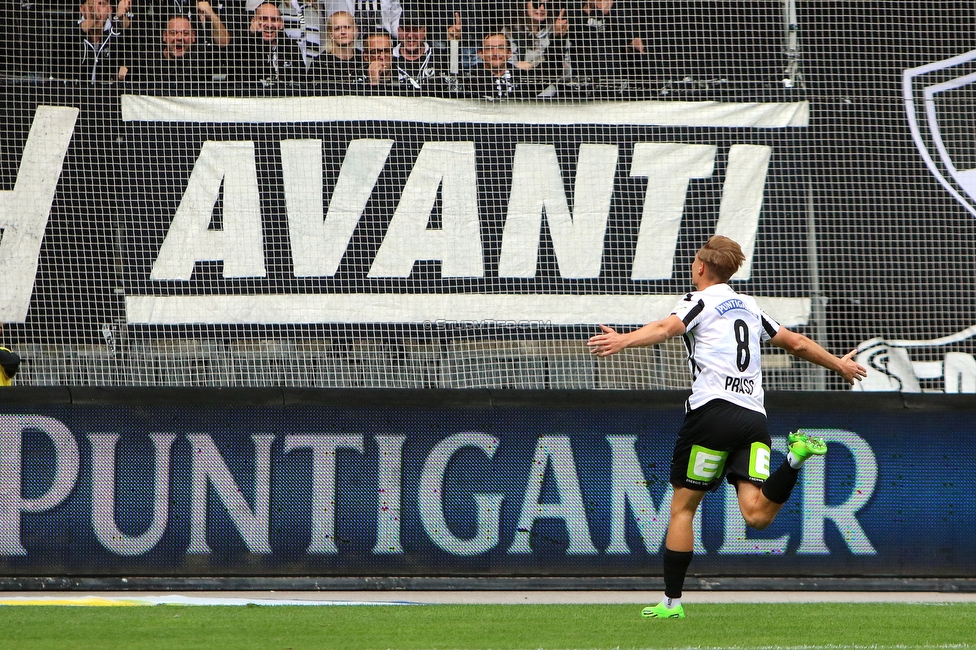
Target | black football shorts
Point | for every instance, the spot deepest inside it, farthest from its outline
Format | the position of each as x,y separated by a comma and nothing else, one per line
720,439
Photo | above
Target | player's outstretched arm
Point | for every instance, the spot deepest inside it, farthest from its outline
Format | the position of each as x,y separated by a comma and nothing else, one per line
806,348
612,342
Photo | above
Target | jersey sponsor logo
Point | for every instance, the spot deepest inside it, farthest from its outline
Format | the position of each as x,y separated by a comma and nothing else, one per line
729,305
930,92
759,455
741,385
705,464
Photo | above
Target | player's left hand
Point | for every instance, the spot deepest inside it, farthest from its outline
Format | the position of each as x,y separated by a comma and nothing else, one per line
603,345
851,370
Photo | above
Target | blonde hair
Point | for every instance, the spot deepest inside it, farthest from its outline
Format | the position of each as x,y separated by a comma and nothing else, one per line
330,45
723,257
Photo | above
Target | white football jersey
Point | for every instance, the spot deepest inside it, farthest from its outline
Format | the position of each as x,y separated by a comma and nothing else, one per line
724,330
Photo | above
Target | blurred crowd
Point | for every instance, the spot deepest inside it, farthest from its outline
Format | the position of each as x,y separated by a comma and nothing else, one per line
493,49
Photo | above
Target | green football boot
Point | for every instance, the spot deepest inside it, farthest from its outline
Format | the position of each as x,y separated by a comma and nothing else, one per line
804,446
660,611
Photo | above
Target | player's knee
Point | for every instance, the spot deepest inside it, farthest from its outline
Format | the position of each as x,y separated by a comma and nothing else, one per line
757,523
682,518
757,520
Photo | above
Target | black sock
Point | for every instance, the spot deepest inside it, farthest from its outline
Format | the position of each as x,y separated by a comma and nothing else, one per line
675,567
779,485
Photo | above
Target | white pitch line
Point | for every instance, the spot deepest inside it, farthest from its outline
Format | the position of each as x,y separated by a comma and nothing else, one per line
66,600
470,597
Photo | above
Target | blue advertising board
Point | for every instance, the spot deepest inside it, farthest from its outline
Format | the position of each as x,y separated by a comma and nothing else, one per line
533,488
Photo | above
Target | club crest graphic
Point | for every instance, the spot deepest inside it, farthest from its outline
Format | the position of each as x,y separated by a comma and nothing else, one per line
939,99
940,102
943,365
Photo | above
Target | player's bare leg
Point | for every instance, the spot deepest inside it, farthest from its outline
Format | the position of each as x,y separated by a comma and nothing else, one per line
757,510
759,506
681,533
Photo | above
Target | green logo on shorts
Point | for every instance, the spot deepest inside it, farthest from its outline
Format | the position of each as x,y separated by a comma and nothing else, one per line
705,464
759,461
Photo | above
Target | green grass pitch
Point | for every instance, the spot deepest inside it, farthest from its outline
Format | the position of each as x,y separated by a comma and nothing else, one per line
835,626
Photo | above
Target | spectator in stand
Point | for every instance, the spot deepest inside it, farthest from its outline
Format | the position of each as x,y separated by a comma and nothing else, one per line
497,78
378,62
414,58
9,364
265,56
478,17
103,51
538,40
235,14
180,59
370,15
606,43
213,24
302,20
202,14
419,66
339,64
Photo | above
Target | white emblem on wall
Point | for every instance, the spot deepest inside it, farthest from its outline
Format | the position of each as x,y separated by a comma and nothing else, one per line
931,92
917,366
